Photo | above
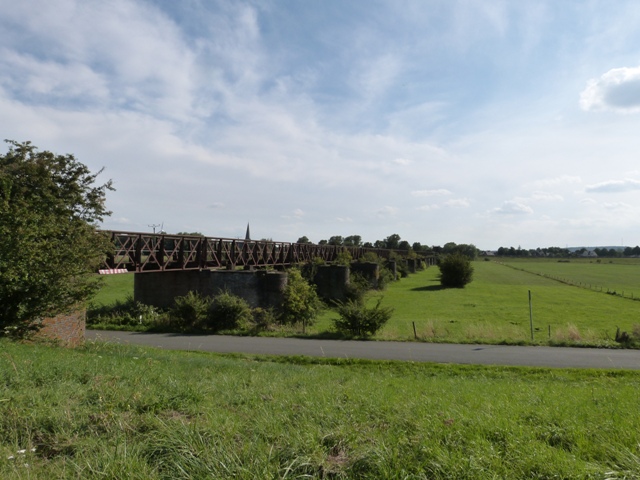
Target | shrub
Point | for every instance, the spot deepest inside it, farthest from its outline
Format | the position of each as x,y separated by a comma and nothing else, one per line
455,271
190,311
385,278
310,269
127,312
401,264
264,319
228,311
357,287
358,320
344,258
300,302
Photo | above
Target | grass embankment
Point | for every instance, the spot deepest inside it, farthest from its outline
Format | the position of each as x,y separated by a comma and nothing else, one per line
108,411
494,308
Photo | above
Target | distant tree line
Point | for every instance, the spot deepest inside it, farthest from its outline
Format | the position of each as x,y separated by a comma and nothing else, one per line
557,252
395,242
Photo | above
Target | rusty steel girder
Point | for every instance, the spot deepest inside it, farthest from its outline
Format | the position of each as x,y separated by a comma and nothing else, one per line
150,252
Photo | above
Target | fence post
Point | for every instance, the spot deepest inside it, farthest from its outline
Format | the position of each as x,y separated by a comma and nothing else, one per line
530,315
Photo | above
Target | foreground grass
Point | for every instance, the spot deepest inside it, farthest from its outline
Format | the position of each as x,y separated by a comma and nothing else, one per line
122,412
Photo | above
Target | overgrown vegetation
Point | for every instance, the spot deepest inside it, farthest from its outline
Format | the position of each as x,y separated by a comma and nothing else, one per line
109,411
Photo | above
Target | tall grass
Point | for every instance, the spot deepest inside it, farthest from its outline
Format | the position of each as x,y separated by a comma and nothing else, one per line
121,412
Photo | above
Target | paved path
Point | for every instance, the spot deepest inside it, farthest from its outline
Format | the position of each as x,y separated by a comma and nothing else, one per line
408,351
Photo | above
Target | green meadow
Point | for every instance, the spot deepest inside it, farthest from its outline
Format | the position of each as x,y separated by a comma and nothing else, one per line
108,411
570,304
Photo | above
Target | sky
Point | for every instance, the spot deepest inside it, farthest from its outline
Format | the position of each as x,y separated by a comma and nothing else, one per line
494,123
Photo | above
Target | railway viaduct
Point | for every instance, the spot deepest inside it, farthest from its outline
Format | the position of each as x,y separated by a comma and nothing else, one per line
168,266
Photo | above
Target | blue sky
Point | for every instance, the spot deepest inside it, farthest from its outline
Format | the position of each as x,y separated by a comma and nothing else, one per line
493,123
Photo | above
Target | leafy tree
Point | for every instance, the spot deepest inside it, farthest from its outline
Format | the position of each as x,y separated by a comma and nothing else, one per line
303,239
336,240
455,271
49,210
392,241
352,241
301,302
323,242
192,234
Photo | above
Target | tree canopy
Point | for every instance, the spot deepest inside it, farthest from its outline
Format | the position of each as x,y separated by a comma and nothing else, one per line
49,210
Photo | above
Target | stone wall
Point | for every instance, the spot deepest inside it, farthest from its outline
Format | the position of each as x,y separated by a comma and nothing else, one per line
67,330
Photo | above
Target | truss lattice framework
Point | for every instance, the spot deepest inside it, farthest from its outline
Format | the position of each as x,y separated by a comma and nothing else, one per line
147,252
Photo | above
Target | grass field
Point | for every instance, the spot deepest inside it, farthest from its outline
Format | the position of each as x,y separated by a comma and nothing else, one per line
494,308
619,275
106,411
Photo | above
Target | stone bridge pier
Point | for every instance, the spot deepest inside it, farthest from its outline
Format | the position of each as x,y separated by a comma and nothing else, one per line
259,288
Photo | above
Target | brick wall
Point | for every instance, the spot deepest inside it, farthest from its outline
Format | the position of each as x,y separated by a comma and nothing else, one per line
68,329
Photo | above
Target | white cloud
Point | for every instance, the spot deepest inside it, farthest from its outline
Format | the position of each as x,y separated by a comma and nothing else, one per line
344,219
556,181
457,203
387,211
617,90
614,186
430,193
540,196
511,207
297,214
427,208
402,161
617,206
546,197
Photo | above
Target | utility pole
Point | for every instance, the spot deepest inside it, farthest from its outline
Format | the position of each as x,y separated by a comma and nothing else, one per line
154,226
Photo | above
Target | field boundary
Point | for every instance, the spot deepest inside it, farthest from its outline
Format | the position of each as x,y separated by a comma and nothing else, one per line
566,281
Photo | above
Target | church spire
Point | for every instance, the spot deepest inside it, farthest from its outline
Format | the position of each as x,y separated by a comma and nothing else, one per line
248,234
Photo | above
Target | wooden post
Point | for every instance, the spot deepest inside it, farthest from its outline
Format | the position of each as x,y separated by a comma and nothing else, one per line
531,315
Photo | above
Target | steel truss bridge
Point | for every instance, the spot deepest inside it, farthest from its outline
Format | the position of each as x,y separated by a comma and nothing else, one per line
149,252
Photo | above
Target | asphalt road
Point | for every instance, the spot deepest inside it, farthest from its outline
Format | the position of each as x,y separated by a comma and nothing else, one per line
407,351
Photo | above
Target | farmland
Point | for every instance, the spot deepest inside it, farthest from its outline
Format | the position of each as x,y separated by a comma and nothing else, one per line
570,304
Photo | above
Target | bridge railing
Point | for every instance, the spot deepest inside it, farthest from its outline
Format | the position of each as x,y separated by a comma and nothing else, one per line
148,252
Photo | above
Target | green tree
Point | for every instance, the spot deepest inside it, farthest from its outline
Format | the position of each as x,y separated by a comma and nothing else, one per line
336,240
393,241
300,300
49,210
455,271
352,241
303,239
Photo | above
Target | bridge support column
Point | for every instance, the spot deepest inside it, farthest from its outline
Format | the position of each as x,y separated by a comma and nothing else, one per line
331,282
369,270
258,288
